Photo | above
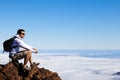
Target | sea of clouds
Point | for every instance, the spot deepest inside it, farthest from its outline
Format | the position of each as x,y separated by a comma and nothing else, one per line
76,67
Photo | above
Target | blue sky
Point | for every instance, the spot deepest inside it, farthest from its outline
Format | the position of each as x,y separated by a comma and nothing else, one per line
63,24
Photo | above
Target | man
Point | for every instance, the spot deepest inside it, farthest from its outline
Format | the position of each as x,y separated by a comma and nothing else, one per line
22,50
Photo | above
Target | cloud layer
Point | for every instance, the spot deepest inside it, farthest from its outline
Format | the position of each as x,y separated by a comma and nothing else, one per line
76,67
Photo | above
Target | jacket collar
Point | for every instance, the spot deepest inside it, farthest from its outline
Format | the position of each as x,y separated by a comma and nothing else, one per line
18,36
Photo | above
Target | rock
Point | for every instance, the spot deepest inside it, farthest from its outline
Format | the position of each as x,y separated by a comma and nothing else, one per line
14,71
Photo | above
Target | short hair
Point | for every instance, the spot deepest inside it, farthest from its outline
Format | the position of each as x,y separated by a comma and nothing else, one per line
20,30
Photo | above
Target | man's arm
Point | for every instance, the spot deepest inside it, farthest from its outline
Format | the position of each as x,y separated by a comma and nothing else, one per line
26,46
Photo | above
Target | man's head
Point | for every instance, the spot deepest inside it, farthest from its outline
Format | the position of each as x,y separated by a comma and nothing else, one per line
21,33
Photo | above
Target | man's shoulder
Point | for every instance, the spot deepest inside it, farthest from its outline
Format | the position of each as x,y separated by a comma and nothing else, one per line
17,39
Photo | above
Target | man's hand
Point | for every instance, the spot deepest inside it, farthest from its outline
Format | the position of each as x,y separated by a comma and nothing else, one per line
36,51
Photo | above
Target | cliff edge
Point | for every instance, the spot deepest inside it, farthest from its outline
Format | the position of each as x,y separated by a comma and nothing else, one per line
14,71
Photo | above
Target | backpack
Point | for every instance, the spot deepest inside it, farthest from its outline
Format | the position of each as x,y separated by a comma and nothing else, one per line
7,44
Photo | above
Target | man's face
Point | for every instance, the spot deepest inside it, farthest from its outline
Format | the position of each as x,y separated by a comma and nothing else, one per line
22,34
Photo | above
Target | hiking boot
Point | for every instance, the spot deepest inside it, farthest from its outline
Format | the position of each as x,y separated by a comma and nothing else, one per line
34,64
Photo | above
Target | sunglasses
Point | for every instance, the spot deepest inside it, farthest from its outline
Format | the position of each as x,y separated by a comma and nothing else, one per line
23,33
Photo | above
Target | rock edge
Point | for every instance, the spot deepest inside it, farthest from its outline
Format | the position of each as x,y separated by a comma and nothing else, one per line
14,71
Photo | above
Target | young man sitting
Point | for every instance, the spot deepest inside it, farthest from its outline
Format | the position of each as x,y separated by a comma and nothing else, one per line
22,50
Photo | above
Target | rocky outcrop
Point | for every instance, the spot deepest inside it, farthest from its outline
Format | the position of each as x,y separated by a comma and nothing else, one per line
14,71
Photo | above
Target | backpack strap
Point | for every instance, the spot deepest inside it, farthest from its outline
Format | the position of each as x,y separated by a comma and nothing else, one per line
14,38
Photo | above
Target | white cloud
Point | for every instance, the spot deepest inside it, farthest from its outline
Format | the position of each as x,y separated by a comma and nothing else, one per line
76,67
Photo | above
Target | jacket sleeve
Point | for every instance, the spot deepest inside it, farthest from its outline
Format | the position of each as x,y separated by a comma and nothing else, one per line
24,45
